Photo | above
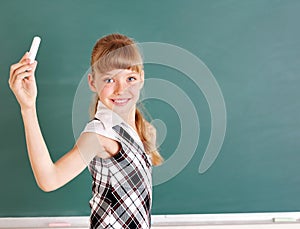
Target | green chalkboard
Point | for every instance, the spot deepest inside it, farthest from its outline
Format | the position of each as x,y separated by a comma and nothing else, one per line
222,87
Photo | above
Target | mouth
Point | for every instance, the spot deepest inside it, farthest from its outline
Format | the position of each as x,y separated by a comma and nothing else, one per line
120,102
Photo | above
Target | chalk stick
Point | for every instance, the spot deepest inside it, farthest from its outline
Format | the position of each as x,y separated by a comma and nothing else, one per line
34,48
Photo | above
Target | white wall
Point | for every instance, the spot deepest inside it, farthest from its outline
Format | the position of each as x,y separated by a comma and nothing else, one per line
280,220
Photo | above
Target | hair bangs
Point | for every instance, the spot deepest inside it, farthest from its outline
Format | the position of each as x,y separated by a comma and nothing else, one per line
124,57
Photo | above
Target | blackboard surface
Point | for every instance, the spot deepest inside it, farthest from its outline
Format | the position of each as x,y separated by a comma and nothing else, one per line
252,49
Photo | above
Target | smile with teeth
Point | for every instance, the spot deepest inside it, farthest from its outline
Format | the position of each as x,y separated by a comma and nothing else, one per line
120,101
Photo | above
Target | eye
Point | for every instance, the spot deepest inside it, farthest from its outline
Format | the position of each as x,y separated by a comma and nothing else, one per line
131,78
109,80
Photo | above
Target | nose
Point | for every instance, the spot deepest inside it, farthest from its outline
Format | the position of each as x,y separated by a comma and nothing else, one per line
120,87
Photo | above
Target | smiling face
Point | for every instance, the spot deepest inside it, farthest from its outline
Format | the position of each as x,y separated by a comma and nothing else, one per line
117,74
118,89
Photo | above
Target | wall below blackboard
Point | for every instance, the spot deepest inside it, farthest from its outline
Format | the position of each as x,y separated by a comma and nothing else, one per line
218,221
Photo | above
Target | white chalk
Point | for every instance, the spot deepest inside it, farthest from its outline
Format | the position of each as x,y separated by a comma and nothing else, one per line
34,48
284,220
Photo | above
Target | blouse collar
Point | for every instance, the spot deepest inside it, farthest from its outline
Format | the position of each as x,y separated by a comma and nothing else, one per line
108,117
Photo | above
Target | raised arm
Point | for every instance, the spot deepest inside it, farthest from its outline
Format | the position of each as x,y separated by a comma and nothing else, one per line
49,175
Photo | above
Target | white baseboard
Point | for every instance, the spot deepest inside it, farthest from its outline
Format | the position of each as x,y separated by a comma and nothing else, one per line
159,220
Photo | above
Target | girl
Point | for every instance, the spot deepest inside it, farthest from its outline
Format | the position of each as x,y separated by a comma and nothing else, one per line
118,145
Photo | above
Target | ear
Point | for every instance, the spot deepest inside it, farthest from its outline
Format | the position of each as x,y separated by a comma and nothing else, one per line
91,82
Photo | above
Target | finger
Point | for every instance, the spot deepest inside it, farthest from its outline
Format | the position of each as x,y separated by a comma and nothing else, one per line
31,77
22,76
12,71
16,66
23,68
34,65
17,81
26,56
23,61
20,69
32,70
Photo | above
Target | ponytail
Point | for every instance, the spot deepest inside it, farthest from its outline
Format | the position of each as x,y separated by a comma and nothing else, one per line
147,134
93,106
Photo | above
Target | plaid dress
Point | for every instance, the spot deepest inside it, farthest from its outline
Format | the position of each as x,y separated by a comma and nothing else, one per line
122,187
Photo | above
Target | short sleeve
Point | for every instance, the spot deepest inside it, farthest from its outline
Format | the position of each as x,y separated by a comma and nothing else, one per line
95,126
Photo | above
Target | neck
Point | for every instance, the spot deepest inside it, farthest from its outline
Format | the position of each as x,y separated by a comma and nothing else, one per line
129,117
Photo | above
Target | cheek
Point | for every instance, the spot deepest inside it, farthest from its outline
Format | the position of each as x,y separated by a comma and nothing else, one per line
105,91
135,89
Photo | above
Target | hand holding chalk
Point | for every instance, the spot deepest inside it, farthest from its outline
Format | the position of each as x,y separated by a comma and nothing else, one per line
34,48
22,81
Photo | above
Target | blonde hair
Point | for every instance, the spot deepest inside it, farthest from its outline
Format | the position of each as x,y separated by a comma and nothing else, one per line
117,51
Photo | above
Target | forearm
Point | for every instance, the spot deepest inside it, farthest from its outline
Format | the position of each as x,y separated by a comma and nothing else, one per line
41,162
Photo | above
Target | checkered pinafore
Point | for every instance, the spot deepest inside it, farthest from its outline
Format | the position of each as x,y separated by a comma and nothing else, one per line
122,186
